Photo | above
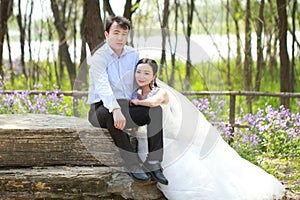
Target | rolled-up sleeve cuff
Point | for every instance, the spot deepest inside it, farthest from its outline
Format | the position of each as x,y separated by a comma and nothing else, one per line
110,103
115,105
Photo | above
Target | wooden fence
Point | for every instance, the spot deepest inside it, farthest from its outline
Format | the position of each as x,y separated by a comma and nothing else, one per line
232,94
232,100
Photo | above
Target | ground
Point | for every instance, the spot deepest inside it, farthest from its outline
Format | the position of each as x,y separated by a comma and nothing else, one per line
288,172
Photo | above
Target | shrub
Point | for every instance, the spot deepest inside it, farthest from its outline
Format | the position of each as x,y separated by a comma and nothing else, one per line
273,133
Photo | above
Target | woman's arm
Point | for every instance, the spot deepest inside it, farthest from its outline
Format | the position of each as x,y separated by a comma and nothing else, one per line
161,97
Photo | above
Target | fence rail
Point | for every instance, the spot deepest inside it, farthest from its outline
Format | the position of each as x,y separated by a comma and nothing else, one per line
232,94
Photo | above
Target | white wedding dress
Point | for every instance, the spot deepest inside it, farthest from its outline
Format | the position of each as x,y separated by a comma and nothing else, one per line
199,164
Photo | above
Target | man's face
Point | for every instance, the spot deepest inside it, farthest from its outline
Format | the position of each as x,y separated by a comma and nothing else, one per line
116,37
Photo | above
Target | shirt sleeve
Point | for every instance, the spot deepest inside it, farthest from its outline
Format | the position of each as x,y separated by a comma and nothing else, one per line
99,78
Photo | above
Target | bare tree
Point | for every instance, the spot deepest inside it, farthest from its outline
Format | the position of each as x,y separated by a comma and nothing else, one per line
248,56
164,33
271,34
130,8
228,43
295,5
63,50
173,49
92,24
107,7
12,74
259,48
29,30
6,11
187,29
236,16
285,78
22,27
92,33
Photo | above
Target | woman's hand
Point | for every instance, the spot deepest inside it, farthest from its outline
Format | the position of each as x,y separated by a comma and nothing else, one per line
134,102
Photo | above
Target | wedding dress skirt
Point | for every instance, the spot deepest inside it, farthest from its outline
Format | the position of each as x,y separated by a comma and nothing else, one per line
199,164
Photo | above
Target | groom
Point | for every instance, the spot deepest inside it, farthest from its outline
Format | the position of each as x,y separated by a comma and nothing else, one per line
111,87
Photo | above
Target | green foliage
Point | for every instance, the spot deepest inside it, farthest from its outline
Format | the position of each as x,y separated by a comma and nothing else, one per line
42,77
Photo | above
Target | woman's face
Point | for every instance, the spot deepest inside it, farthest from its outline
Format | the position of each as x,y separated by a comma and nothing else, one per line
144,74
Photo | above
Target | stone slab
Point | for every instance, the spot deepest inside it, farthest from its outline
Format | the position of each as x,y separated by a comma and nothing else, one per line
46,140
63,182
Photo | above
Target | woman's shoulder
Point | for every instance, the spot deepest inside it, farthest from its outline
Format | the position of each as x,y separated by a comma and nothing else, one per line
136,94
153,92
162,93
165,94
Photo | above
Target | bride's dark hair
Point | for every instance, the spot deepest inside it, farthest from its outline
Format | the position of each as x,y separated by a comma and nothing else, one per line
153,65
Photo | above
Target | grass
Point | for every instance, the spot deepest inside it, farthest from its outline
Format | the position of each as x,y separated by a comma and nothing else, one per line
287,171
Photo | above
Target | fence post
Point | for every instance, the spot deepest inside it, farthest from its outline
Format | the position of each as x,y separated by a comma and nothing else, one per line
232,111
75,105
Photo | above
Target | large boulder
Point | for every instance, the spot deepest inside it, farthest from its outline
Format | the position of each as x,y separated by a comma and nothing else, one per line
52,156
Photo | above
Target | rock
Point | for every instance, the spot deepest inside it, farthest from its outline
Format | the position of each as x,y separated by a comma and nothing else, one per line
63,182
45,140
59,157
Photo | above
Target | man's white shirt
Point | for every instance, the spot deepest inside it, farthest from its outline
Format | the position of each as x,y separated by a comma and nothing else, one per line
111,77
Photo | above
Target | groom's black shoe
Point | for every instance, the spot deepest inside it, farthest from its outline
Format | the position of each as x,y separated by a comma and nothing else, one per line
156,172
137,173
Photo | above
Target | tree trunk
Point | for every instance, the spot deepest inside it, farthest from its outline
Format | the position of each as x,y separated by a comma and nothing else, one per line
236,17
22,28
272,39
164,33
63,46
92,24
190,11
6,10
107,7
29,31
228,43
259,48
130,9
173,52
248,56
12,74
82,74
285,77
293,45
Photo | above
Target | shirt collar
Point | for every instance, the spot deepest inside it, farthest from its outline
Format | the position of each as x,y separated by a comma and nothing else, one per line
126,50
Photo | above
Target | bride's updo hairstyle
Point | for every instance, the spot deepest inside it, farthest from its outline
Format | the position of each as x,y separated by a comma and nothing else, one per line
153,65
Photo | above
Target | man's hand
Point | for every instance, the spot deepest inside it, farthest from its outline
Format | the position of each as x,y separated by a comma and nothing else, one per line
119,119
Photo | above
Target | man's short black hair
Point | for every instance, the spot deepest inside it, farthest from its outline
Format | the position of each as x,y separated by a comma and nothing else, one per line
121,21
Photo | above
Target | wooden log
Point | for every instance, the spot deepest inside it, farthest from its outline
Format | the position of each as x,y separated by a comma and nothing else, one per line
46,140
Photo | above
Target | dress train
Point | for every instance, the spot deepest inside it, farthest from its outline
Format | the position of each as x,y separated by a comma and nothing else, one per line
199,164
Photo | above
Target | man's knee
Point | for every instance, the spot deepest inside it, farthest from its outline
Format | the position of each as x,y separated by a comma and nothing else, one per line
92,118
123,103
155,112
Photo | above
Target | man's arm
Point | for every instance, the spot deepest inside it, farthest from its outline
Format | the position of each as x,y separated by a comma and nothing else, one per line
99,78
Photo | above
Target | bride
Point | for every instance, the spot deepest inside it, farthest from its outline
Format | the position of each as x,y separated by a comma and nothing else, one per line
197,162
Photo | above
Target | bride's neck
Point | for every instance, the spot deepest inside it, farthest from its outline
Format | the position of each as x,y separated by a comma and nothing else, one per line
145,90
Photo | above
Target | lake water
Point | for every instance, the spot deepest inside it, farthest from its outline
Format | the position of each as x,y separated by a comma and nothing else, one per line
203,47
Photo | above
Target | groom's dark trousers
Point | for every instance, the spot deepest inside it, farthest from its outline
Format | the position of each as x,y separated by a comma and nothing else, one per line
99,116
